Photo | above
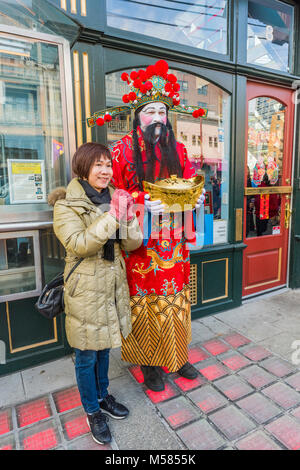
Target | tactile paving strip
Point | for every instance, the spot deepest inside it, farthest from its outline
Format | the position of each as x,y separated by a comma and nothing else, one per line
32,412
235,403
225,406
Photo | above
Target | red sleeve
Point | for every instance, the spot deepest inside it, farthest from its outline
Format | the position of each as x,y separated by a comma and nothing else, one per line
188,171
117,179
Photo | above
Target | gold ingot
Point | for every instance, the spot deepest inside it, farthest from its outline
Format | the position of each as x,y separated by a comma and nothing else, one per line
178,194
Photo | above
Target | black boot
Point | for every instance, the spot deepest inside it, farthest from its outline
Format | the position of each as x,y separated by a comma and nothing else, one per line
152,378
188,371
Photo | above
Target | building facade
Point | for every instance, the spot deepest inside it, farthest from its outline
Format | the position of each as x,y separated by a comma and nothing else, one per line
62,60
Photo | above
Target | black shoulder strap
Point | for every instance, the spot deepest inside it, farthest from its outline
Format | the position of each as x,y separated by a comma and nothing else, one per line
73,269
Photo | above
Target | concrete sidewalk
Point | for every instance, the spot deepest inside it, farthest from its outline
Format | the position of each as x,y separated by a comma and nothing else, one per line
246,397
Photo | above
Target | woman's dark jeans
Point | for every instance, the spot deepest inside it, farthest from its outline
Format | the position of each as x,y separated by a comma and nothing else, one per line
91,369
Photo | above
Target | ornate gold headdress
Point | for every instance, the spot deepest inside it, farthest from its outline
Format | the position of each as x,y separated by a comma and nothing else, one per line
146,86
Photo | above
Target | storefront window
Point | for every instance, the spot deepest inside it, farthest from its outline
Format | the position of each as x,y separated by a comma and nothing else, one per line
266,118
196,23
38,16
206,140
20,272
32,144
270,34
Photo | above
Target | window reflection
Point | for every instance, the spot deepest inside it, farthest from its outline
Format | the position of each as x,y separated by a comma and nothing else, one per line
197,23
17,269
266,118
270,34
30,121
265,140
206,141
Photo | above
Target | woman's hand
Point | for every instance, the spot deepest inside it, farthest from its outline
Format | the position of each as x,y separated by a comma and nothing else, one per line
121,205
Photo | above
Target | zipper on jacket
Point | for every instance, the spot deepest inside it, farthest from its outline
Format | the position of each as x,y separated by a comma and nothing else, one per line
74,285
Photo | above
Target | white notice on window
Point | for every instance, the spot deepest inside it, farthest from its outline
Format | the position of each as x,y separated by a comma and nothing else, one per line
220,231
27,182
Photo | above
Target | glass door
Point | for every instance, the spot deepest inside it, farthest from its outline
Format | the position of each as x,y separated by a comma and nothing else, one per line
34,124
267,187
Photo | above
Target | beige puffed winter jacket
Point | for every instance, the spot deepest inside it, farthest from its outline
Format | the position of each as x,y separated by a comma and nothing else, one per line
96,294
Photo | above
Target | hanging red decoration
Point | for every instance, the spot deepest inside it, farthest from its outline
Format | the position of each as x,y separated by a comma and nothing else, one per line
100,121
107,118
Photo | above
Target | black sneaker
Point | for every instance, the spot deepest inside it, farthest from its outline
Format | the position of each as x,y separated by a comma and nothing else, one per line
188,371
110,406
99,429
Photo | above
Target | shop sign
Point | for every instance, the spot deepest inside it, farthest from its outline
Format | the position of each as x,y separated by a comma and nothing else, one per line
220,231
27,182
276,230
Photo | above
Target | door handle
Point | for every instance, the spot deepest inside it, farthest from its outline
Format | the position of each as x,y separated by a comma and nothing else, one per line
287,213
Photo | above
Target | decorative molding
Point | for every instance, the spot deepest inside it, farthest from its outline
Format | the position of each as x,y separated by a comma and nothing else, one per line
83,7
268,190
273,280
238,224
87,97
13,350
73,6
226,280
77,91
193,284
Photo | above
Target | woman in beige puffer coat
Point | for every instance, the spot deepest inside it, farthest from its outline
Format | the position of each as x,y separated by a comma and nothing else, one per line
87,217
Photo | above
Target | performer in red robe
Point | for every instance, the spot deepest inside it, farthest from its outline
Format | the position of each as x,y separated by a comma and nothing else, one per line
158,272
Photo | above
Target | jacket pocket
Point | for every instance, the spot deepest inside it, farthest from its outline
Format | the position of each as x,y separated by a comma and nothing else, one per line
73,284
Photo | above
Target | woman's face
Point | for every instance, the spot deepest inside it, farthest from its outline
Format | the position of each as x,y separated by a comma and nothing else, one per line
100,173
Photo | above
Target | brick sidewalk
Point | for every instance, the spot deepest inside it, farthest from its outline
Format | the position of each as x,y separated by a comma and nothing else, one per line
244,398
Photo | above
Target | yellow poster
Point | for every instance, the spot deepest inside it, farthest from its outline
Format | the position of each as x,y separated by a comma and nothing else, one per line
26,168
27,183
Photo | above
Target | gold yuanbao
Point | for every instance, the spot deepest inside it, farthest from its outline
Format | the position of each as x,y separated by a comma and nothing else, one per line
178,194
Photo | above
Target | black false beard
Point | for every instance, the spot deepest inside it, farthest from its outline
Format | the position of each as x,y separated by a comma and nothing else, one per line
170,164
150,136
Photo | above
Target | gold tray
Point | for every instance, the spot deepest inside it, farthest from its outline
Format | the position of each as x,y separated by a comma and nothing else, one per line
178,194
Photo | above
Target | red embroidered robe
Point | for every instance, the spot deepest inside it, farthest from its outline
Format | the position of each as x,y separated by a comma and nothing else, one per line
158,274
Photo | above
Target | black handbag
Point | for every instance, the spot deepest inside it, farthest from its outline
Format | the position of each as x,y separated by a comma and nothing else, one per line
51,301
